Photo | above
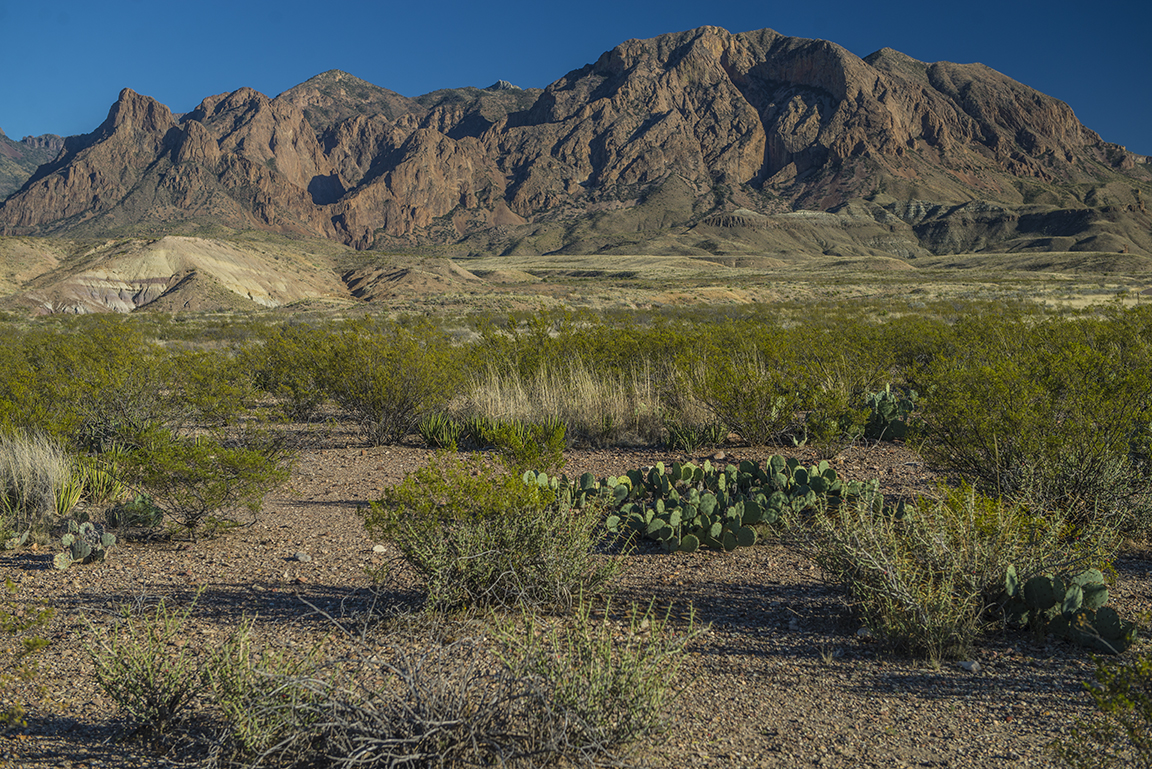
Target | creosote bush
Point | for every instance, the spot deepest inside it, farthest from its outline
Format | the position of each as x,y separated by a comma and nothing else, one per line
388,376
1045,412
206,483
479,535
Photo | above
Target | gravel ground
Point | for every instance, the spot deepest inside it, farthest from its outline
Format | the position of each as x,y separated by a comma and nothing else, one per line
781,678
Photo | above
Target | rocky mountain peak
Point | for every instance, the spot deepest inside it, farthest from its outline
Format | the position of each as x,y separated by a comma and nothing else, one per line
661,135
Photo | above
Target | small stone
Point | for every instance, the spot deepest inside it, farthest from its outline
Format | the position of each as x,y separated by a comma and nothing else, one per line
379,549
302,557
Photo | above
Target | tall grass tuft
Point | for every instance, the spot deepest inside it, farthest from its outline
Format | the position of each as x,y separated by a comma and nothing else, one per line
599,408
36,482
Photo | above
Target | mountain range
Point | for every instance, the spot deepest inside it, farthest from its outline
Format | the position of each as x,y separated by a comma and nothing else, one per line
700,142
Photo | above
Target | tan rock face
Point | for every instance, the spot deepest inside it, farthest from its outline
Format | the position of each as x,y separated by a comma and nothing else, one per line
728,117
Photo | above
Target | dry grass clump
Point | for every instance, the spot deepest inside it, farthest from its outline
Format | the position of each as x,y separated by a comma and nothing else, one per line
36,483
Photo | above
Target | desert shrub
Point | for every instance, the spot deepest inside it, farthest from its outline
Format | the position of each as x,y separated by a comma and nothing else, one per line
442,706
1045,410
37,483
246,685
206,483
389,376
213,387
480,536
562,692
754,392
147,666
1120,732
288,365
18,622
522,445
926,578
616,680
832,422
82,379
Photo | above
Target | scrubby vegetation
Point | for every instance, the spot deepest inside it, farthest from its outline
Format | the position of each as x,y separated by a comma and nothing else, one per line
1042,420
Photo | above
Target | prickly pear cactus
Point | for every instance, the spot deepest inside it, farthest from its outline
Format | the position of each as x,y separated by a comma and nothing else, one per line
83,543
1072,608
684,507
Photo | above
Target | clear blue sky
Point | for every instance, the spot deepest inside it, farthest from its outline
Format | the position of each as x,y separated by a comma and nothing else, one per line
63,63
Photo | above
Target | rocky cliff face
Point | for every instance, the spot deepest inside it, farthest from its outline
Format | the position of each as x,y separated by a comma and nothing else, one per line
663,135
19,160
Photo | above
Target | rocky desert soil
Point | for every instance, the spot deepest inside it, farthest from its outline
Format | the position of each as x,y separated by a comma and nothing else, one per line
781,678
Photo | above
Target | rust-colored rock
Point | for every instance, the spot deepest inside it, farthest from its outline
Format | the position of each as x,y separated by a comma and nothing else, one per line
755,121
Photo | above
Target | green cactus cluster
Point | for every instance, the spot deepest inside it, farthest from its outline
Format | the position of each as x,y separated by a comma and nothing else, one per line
15,541
889,414
83,543
685,506
140,512
1071,607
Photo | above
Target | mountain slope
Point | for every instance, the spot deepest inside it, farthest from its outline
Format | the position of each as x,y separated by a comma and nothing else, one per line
19,160
654,146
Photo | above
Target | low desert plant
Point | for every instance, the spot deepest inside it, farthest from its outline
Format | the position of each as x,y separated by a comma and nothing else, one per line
146,664
479,535
433,706
1120,732
926,577
689,437
247,689
36,482
615,678
569,692
17,622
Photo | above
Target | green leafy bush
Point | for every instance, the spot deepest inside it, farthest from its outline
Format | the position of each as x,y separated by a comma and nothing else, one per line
388,377
831,423
480,536
206,483
1044,411
288,364
753,392
520,444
